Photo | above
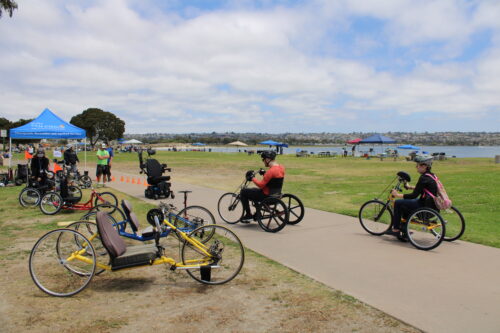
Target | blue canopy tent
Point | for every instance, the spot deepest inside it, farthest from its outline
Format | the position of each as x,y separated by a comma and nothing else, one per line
47,126
377,139
274,143
198,144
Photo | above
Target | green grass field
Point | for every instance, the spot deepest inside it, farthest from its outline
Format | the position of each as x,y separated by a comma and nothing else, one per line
342,185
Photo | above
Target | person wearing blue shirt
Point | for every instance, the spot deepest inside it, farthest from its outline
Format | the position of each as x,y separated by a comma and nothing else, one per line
108,169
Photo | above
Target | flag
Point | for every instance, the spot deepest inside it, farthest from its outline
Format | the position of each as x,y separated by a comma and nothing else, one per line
57,167
27,155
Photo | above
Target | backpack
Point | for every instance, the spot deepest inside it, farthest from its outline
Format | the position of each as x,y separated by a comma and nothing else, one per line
442,200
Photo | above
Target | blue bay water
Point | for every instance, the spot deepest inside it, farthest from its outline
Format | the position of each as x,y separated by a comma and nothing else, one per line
457,151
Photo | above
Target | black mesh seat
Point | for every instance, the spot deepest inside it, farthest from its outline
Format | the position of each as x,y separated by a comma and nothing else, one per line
123,256
67,197
275,185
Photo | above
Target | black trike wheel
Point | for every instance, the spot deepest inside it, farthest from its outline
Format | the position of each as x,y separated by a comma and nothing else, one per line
106,198
272,214
230,208
375,217
455,223
425,229
29,197
51,203
193,217
295,208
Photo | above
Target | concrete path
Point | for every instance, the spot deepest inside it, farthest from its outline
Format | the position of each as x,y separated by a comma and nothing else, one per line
454,288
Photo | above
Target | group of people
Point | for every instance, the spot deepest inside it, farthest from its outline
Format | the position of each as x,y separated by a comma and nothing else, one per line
422,196
40,163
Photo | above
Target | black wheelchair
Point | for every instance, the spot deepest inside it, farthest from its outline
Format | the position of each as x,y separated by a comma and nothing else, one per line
159,187
272,213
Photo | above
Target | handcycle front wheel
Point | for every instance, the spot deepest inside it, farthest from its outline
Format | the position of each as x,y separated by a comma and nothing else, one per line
425,229
272,214
75,192
455,223
375,217
193,217
85,181
106,198
218,260
29,197
53,267
295,208
230,208
51,203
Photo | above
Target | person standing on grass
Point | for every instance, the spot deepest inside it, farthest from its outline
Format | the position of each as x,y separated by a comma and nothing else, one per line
102,164
108,169
71,158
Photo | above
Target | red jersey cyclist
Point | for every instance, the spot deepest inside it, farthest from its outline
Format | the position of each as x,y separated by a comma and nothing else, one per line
271,183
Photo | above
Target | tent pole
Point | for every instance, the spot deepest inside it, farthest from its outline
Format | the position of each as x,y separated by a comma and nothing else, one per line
10,152
85,148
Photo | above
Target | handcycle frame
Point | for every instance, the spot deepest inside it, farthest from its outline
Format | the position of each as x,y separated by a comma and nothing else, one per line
165,212
94,200
210,256
427,219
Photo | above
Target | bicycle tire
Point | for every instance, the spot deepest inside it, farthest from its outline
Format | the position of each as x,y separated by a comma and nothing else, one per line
230,208
425,229
295,208
51,203
75,192
272,214
49,268
226,259
29,197
375,217
104,198
193,217
455,223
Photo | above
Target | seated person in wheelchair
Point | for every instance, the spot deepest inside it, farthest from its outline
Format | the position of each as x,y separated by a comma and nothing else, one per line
39,166
410,202
271,183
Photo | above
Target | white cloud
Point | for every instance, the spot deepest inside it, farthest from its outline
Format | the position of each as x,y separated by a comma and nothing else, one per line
239,69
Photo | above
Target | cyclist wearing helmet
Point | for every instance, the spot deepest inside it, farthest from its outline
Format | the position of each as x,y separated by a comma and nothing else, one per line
418,198
270,184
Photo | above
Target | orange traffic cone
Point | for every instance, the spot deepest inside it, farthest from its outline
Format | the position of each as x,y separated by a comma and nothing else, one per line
113,178
121,179
128,180
133,181
138,181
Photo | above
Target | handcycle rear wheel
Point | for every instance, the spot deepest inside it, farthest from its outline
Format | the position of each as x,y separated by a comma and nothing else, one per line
193,217
455,223
29,197
85,181
75,192
52,268
230,208
272,214
425,229
51,203
89,230
375,217
226,259
106,198
295,208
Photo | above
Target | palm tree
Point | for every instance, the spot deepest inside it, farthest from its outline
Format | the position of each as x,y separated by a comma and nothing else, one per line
7,5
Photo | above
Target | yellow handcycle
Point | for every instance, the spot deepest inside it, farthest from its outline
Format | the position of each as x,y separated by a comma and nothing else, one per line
64,261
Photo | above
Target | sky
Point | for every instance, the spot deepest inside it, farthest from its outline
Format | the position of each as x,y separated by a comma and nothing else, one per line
181,66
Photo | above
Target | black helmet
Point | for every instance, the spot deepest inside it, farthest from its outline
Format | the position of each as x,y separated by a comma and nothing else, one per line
270,154
424,159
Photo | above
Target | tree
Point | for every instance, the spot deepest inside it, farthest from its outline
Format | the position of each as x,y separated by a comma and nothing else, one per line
100,125
7,5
